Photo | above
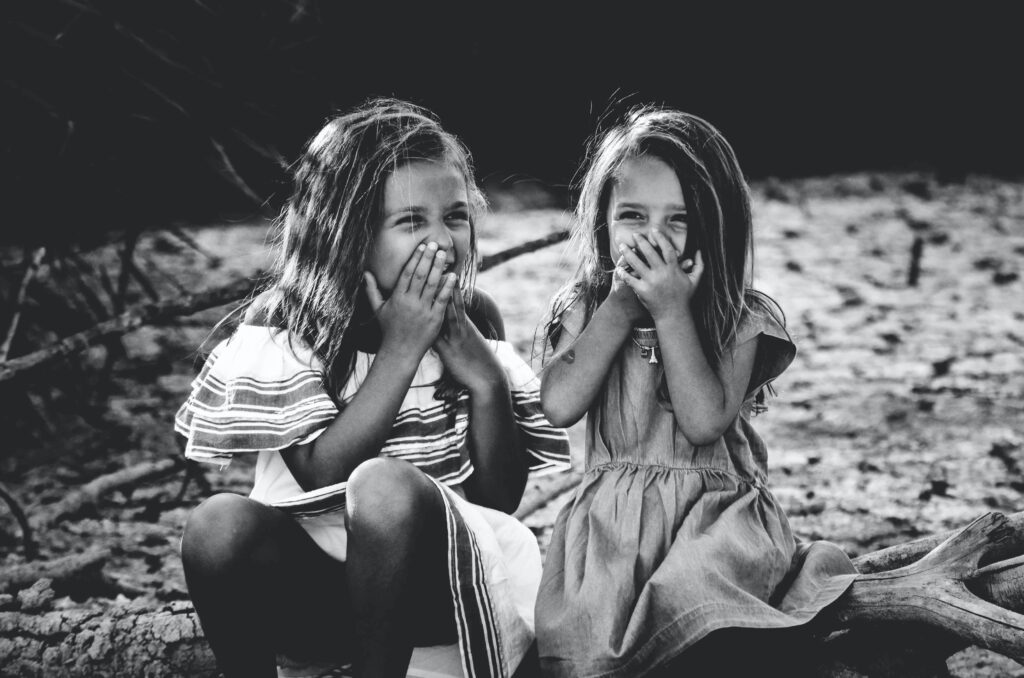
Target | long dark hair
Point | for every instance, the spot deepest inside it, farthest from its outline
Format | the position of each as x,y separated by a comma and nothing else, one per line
718,219
329,226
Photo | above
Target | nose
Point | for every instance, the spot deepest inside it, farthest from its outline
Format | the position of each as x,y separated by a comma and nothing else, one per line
440,234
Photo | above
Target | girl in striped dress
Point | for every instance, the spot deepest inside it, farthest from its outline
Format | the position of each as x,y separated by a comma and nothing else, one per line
393,426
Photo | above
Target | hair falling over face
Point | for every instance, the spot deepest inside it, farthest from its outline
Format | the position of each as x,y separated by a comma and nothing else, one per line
330,223
719,221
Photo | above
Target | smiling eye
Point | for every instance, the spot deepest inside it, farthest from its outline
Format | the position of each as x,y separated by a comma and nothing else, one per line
678,220
630,215
458,215
411,221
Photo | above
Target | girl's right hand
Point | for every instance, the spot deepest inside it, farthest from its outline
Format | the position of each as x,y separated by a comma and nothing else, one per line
623,298
410,319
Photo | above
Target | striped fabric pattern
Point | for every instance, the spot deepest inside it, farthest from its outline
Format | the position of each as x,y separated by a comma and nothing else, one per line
260,391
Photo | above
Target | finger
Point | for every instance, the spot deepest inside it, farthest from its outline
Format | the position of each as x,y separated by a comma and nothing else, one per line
631,281
698,268
668,250
422,272
631,258
625,275
405,279
643,244
444,294
372,292
434,276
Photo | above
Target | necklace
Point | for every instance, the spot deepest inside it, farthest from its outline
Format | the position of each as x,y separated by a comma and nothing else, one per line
646,339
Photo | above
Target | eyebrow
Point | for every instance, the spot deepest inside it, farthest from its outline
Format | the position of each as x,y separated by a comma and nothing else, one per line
636,205
416,209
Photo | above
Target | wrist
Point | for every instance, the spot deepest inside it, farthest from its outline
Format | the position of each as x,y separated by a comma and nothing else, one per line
489,386
400,352
674,317
617,312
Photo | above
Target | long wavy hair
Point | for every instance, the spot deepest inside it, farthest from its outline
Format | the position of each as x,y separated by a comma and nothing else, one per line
329,226
719,222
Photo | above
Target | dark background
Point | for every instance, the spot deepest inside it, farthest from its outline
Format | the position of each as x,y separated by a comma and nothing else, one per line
135,114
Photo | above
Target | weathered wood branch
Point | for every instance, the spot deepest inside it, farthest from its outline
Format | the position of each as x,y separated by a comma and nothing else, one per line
903,554
91,492
933,591
132,318
60,570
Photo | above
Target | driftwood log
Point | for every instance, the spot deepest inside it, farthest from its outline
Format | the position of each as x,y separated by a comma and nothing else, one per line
903,621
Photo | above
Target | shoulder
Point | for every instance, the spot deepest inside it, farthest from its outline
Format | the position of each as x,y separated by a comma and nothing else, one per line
484,313
762,316
259,312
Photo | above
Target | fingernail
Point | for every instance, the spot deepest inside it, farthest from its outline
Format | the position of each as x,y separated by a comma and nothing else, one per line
432,246
441,254
622,248
421,247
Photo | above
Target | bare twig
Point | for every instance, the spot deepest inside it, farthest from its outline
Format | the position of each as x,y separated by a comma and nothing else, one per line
501,257
31,550
32,262
143,280
186,238
132,318
916,250
232,173
127,252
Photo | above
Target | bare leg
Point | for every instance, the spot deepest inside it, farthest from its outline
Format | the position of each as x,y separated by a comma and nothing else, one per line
261,585
397,558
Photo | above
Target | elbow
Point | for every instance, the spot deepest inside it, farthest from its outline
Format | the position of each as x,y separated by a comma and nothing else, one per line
701,435
557,414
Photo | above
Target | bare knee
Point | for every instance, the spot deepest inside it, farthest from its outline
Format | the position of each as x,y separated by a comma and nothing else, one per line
387,496
220,534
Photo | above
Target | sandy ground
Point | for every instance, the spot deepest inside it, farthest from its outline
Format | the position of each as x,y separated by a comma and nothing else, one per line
902,415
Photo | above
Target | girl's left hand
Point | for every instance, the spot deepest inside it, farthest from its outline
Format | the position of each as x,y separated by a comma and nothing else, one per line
464,351
663,283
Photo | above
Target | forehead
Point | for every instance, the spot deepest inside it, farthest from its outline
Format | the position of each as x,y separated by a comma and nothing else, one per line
646,179
422,180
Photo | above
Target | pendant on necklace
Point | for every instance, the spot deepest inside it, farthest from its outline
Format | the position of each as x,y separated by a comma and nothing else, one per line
646,340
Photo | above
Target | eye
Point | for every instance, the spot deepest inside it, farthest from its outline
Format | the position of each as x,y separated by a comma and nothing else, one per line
411,221
461,216
678,220
629,215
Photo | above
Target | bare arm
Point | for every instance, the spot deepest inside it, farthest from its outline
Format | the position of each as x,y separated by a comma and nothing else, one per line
705,401
496,448
410,319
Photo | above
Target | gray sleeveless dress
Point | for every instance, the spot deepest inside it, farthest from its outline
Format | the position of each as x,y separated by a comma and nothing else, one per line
665,542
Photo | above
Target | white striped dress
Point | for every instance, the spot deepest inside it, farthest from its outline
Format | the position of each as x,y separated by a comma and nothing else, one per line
260,393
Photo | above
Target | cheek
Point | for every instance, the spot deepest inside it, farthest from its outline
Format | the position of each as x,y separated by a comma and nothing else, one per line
618,235
678,240
386,262
461,243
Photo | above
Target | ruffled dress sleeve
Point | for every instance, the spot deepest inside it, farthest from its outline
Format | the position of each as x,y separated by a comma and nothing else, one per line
259,390
546,445
775,348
